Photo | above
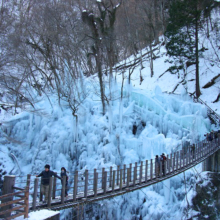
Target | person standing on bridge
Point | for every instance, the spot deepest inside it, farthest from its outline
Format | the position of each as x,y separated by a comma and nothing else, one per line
45,180
64,174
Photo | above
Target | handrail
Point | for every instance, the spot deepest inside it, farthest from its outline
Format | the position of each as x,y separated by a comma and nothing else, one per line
211,111
9,204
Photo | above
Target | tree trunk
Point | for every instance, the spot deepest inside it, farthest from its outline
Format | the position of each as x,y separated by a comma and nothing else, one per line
198,93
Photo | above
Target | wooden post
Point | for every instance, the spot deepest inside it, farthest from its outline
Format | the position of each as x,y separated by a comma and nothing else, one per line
136,171
63,189
26,201
189,155
140,174
95,184
41,195
200,147
168,164
165,167
151,169
134,175
187,158
196,151
174,161
118,170
128,176
130,171
181,159
54,187
75,187
86,183
124,173
199,151
146,170
103,176
113,181
161,167
50,191
177,160
121,179
110,178
35,193
105,182
94,177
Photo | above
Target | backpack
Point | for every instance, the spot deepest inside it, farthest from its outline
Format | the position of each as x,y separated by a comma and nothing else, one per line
164,157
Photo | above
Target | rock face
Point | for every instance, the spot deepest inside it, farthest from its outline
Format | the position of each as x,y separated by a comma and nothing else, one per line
206,202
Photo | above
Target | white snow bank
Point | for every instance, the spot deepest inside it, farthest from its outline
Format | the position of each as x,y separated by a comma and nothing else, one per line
39,215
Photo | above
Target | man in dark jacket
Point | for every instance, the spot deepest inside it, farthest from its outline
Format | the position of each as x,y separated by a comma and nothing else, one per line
45,179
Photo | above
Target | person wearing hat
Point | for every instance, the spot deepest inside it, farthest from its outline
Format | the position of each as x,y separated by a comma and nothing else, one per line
45,180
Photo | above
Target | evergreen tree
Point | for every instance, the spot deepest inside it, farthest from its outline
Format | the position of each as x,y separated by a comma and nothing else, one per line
182,35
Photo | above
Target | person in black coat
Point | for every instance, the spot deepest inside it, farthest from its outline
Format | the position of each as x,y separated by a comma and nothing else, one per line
45,180
64,174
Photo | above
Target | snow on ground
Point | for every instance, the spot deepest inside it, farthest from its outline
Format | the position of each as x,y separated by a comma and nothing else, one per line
39,215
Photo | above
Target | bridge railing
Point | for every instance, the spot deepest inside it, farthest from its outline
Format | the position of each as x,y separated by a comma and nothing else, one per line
211,113
101,182
15,200
119,179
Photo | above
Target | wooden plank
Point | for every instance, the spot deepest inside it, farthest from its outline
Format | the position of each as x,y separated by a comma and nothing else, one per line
130,171
124,172
11,202
118,170
10,195
75,187
105,182
86,183
95,184
170,163
13,209
54,187
174,161
135,171
110,178
103,176
50,191
151,169
128,176
140,174
121,183
18,188
35,193
146,170
26,201
113,181
94,176
177,160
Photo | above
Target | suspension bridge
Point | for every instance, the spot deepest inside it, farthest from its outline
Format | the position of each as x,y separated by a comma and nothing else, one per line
95,185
